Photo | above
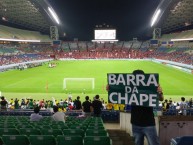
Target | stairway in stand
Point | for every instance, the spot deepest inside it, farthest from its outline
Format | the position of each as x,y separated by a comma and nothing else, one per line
120,137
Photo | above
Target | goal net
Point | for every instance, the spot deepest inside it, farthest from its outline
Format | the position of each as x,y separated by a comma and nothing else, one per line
78,84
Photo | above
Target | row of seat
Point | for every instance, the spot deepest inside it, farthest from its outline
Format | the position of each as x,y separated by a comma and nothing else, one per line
71,122
49,120
106,114
90,127
62,126
50,140
54,132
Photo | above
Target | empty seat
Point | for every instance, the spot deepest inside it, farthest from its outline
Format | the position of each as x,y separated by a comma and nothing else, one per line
15,140
29,131
8,131
59,127
93,132
24,126
44,126
6,125
69,140
78,127
73,132
97,140
54,132
42,140
96,127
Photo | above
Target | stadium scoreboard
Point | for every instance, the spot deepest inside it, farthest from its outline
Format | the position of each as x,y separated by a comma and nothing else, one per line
105,35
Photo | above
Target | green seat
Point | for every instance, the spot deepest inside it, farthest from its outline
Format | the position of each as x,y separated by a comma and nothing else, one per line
43,126
78,127
73,132
59,127
96,127
93,132
7,126
29,131
8,131
54,132
96,124
69,140
97,140
42,140
15,140
58,122
24,126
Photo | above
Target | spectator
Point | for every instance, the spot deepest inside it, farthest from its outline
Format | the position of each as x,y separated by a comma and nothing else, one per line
122,107
109,106
143,122
77,104
183,106
16,104
190,103
23,105
97,106
116,107
69,97
35,116
30,104
104,105
87,106
58,116
170,101
165,105
70,107
3,103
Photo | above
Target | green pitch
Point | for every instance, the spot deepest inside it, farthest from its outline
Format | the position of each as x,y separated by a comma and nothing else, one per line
43,82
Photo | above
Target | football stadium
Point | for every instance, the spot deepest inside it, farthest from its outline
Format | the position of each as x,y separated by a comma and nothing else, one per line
45,70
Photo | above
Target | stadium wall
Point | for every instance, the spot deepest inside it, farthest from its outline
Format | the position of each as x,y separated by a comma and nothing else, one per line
72,59
6,67
180,66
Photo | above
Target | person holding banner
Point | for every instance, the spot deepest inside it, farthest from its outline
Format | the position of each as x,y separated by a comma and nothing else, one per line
142,92
143,122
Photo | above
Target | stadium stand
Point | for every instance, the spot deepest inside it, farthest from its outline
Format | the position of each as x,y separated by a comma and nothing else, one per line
48,136
14,33
15,127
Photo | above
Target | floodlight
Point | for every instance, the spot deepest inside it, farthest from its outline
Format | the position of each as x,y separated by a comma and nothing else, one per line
54,15
184,39
155,17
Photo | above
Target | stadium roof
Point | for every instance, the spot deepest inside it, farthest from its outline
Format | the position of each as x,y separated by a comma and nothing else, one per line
29,14
175,15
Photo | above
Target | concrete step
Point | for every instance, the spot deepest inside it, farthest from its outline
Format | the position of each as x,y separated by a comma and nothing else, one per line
120,137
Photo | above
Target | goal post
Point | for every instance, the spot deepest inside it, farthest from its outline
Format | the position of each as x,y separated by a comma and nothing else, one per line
79,81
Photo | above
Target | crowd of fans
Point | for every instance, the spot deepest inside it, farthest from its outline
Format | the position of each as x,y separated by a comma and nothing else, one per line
181,107
10,54
64,105
88,105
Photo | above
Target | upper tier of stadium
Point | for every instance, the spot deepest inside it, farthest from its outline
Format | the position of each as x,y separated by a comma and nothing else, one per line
13,33
34,15
174,15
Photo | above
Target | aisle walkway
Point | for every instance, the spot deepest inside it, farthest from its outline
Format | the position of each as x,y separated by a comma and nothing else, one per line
119,137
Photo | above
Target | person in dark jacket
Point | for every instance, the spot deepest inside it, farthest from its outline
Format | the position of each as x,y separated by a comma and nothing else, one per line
97,106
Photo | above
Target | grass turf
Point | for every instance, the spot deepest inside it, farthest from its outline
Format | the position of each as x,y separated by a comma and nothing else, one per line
43,82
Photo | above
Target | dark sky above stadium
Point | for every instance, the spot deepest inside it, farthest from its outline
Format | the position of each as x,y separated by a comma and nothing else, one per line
131,18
